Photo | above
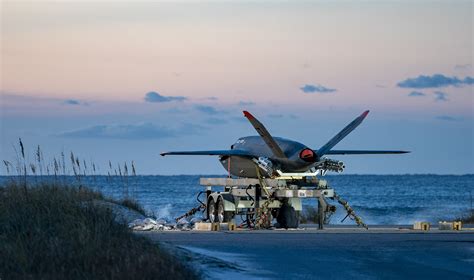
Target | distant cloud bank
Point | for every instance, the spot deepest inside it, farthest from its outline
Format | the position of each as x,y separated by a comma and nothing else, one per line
121,131
446,118
280,116
416,93
216,121
75,102
441,96
466,66
316,88
435,81
206,109
155,97
246,103
139,131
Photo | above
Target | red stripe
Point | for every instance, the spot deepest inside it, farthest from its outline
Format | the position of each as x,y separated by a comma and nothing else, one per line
248,115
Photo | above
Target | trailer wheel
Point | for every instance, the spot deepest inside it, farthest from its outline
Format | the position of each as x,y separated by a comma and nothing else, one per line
211,211
288,216
222,215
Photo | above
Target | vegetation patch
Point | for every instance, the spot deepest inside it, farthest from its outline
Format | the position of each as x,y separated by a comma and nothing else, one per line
131,204
52,231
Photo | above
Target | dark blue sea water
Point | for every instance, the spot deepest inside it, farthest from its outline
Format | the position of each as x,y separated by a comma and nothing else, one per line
378,199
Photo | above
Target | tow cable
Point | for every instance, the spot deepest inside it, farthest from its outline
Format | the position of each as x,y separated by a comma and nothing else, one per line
193,211
264,219
350,212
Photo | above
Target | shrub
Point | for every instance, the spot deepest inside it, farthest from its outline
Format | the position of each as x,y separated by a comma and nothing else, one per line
56,232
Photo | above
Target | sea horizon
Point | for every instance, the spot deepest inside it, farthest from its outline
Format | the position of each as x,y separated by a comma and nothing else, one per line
226,175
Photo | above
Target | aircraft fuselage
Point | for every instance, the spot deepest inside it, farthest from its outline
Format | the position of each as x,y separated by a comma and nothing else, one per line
245,167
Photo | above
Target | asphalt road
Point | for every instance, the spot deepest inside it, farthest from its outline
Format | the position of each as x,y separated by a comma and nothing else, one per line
335,253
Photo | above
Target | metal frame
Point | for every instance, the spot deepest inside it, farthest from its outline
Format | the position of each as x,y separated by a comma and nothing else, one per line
244,194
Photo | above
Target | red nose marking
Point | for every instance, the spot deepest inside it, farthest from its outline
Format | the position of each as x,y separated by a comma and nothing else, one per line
307,155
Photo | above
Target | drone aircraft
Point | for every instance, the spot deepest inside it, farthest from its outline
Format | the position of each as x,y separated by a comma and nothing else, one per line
279,156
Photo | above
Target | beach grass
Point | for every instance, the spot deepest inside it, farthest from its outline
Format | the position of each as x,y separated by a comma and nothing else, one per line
53,231
131,204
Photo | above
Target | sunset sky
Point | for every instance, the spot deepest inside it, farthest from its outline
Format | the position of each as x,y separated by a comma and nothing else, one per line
126,81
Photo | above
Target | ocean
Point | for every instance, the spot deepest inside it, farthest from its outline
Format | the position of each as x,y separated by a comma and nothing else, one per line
377,199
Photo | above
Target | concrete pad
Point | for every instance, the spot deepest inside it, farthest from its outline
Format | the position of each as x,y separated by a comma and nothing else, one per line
389,252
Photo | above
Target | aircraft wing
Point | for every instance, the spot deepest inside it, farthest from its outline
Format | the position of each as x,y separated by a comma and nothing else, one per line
211,153
363,152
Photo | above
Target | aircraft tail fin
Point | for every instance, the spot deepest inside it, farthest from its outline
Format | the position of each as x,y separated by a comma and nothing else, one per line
263,132
343,133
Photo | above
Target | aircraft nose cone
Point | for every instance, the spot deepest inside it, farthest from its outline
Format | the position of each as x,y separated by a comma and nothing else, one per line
307,155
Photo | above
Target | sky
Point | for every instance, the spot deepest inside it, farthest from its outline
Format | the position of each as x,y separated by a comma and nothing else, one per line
126,80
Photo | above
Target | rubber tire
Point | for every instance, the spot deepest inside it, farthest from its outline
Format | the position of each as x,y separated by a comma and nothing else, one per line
211,205
288,217
228,215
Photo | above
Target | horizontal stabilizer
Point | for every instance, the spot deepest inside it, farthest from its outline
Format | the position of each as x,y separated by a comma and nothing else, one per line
210,153
363,152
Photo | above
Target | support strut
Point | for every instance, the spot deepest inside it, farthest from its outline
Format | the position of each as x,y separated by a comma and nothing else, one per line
322,207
